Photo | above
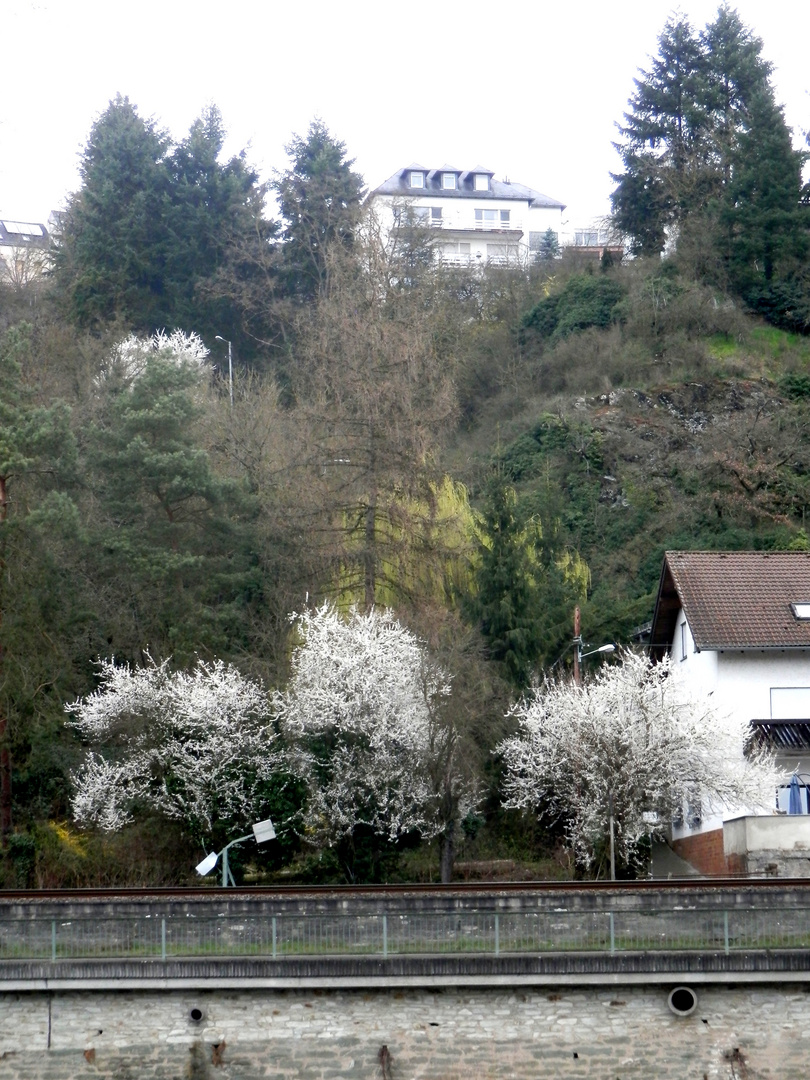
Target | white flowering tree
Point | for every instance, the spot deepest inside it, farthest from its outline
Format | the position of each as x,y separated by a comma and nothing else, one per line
129,358
635,738
195,746
360,716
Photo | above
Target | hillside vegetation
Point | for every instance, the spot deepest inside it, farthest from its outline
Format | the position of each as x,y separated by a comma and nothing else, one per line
471,454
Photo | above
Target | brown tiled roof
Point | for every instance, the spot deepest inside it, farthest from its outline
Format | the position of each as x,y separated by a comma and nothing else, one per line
734,599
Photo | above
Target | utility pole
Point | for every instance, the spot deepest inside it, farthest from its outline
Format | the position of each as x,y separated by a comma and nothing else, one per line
230,365
577,645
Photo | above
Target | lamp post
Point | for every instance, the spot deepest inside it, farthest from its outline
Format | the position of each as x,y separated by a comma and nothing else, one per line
230,365
262,832
579,645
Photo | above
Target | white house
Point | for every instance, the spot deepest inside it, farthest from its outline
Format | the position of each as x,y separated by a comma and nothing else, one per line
478,220
24,251
737,623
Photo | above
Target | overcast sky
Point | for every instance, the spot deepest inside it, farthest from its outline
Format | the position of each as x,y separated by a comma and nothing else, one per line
531,90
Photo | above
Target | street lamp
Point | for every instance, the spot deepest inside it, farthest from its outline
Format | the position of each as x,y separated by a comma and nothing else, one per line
262,832
230,364
579,644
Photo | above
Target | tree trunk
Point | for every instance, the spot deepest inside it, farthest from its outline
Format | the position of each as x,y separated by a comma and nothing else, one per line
448,853
370,552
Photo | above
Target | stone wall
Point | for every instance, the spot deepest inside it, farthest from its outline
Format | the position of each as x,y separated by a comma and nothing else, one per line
599,1033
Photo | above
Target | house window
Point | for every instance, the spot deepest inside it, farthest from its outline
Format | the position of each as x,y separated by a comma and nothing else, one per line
790,703
801,610
502,254
492,219
417,179
460,248
449,181
418,215
481,182
684,641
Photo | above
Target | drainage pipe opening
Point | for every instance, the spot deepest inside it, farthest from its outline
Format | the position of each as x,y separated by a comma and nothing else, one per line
682,1001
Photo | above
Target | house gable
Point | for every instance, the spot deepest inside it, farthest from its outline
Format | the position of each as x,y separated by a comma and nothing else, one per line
733,600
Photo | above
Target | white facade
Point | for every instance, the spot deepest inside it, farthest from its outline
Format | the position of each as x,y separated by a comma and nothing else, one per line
751,684
24,252
474,219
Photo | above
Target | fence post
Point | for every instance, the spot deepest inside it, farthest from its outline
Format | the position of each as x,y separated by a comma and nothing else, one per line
725,931
53,939
612,933
385,935
163,937
274,937
497,935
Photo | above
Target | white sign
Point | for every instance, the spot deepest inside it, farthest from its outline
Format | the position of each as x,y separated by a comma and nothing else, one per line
264,831
208,864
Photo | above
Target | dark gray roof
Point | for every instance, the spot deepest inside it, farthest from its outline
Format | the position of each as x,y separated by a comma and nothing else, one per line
499,189
22,233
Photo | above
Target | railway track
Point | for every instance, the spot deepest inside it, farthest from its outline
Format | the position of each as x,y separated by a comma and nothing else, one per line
484,889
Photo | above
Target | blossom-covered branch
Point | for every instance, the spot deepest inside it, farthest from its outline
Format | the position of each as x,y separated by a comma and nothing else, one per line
194,746
634,737
359,716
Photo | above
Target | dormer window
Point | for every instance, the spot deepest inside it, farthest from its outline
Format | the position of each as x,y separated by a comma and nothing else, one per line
417,179
449,181
801,610
481,182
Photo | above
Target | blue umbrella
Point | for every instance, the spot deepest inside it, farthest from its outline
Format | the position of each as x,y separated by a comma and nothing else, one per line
795,797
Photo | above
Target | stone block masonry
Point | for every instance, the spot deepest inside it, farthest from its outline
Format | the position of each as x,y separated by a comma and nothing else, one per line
737,1032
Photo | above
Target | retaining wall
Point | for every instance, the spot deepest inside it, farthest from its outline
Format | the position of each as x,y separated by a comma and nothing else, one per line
606,1033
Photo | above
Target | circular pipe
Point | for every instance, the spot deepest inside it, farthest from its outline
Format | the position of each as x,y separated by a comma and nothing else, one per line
682,1001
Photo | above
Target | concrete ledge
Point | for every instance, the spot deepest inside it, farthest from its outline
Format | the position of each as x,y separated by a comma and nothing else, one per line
575,969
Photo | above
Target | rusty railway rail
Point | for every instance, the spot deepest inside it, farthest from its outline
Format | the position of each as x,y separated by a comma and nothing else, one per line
258,892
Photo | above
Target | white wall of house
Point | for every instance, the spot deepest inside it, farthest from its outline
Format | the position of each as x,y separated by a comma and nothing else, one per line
753,684
459,233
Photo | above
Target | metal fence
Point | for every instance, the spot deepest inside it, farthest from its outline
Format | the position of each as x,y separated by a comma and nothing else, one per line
526,932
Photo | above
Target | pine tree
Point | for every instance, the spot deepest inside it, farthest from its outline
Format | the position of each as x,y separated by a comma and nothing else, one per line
508,605
215,212
37,454
710,167
319,199
161,237
173,560
111,257
736,75
663,134
549,248
763,228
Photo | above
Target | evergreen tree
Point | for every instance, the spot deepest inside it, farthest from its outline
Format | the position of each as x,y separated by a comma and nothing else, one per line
509,603
174,567
736,75
319,199
549,248
214,214
111,257
37,456
710,166
762,223
662,142
161,237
